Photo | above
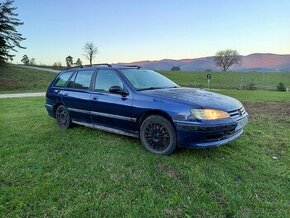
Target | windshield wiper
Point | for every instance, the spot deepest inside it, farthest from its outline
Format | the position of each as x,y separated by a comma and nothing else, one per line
151,88
157,87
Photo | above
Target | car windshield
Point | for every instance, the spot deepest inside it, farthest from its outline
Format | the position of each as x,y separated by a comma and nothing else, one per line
147,79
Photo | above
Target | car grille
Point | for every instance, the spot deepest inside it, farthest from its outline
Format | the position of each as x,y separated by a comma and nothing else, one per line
237,113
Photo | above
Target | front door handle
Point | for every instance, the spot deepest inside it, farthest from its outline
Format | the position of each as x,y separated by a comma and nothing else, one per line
66,94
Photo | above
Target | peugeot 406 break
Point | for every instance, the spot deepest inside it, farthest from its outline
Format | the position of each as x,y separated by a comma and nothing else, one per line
142,103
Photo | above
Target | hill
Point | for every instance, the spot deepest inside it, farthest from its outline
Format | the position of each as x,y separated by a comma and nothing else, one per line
263,62
19,79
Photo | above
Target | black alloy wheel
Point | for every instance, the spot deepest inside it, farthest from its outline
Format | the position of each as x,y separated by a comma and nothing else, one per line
62,117
158,135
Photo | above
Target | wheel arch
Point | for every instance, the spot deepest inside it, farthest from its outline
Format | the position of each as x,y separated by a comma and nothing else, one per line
56,106
155,112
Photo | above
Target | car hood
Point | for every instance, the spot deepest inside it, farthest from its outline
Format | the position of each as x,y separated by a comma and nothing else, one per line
200,97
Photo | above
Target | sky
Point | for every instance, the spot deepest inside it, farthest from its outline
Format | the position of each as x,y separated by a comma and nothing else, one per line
128,30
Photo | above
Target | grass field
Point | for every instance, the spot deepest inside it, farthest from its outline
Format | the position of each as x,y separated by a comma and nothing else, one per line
83,172
230,80
18,79
258,95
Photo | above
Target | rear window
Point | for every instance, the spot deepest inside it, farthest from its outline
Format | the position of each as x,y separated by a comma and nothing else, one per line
62,79
83,79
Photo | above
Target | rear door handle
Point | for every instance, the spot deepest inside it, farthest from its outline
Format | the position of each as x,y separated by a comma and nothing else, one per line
95,98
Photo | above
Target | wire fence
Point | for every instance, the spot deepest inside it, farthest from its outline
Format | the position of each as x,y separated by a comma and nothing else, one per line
232,80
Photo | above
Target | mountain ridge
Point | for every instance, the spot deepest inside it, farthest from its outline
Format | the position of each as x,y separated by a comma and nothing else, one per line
252,62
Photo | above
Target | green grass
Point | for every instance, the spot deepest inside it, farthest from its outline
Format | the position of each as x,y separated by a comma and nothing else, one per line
258,95
46,171
15,79
230,80
18,79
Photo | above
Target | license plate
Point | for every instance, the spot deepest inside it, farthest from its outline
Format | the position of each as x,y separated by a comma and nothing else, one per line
242,123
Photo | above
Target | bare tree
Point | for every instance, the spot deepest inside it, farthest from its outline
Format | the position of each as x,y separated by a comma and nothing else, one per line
57,64
226,58
90,51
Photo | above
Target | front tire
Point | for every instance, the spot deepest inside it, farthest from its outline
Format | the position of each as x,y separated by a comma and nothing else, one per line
158,135
62,117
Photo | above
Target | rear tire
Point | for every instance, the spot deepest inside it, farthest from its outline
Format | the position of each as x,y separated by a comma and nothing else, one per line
62,117
158,135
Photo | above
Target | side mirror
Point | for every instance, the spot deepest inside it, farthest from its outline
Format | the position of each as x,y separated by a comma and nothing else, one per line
118,90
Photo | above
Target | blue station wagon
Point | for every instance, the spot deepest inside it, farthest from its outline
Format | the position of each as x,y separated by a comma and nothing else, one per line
142,103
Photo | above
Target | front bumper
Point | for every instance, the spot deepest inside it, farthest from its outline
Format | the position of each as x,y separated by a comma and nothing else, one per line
199,134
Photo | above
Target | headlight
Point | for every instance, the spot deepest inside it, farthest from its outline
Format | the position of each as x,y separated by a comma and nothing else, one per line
209,114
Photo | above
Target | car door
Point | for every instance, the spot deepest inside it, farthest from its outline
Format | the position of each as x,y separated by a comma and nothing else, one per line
76,95
54,93
108,109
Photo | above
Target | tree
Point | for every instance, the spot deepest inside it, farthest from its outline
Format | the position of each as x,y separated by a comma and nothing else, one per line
79,62
69,61
175,68
226,58
57,64
32,61
251,85
281,87
25,60
90,51
9,37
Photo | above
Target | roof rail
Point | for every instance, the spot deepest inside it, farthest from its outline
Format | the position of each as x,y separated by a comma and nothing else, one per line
109,65
75,67
82,66
133,66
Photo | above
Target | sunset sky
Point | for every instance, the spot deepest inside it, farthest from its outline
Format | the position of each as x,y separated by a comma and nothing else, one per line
128,30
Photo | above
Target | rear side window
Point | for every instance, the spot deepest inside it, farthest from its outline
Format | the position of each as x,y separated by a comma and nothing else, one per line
106,79
83,79
62,79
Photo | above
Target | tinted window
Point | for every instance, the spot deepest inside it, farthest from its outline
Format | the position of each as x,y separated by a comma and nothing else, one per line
70,83
62,79
106,79
147,79
83,79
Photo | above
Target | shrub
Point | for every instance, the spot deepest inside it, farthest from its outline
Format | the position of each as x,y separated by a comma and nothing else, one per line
175,68
251,86
281,87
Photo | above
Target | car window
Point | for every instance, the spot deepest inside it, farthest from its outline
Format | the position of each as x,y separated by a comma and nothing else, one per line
70,83
147,79
62,79
106,79
83,79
